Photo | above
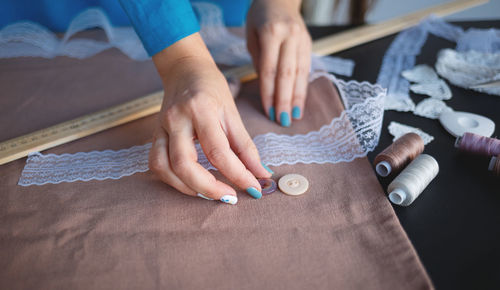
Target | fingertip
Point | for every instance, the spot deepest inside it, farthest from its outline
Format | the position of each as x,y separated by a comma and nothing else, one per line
223,189
229,199
263,172
227,194
296,113
253,192
272,114
267,168
285,119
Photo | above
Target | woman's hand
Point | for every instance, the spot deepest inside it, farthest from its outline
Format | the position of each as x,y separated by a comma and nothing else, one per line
199,105
280,46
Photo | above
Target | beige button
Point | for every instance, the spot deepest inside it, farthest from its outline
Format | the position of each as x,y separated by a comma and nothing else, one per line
293,184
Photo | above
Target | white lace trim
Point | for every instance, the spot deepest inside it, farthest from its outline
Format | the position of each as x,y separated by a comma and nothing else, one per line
421,73
407,45
431,108
31,39
467,69
427,82
399,57
397,130
84,166
355,133
437,89
225,47
481,40
332,64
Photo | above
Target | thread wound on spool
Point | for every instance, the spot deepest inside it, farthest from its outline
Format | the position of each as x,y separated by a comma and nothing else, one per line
395,157
495,165
478,144
412,181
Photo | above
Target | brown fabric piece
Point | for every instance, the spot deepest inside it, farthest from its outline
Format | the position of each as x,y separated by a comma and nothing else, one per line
138,233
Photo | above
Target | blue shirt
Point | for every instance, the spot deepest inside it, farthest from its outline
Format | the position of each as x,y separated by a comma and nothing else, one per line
159,23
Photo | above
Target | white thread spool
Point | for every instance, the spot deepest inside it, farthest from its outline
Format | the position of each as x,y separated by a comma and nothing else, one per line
410,183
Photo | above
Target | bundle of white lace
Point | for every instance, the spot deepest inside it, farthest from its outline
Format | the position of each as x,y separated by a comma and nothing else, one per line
470,68
403,51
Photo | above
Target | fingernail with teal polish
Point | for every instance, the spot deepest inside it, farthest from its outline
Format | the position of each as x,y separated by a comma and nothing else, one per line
296,112
267,168
272,114
254,192
285,119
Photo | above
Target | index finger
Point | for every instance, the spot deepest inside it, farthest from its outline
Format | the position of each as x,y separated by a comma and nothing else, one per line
268,63
215,144
183,161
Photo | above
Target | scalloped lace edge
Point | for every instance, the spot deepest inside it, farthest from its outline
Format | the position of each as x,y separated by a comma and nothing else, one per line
351,135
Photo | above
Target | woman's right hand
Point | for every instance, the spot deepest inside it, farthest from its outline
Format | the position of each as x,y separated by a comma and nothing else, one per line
198,105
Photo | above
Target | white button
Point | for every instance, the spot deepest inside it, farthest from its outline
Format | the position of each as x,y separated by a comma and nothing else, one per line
293,184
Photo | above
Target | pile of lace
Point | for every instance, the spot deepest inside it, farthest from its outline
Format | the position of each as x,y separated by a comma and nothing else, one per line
470,68
355,133
474,60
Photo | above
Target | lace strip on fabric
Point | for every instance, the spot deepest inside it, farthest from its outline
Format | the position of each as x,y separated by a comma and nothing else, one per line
355,133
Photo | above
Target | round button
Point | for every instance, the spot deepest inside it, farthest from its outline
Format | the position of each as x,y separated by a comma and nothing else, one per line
268,185
293,184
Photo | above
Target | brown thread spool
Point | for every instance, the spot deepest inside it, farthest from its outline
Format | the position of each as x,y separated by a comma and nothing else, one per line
395,157
495,165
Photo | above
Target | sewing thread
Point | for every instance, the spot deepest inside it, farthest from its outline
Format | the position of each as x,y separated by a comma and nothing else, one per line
412,181
478,144
495,165
395,157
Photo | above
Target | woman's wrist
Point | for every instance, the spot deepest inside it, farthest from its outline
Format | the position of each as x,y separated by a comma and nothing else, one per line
189,48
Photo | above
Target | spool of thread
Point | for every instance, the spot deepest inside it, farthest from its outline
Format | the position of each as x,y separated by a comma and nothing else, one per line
478,144
395,157
410,183
495,165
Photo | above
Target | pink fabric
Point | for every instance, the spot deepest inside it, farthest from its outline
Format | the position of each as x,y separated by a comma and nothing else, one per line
138,233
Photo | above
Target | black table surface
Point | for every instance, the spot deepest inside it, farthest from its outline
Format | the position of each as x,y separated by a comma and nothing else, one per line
455,223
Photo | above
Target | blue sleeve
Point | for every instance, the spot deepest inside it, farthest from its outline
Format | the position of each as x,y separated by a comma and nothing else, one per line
160,23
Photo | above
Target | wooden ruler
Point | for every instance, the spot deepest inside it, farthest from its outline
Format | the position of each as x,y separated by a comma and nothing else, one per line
80,127
95,122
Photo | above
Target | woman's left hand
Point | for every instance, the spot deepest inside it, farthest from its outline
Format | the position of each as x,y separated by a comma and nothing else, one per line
280,46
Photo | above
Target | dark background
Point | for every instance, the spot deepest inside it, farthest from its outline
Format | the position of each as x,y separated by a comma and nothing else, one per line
455,223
